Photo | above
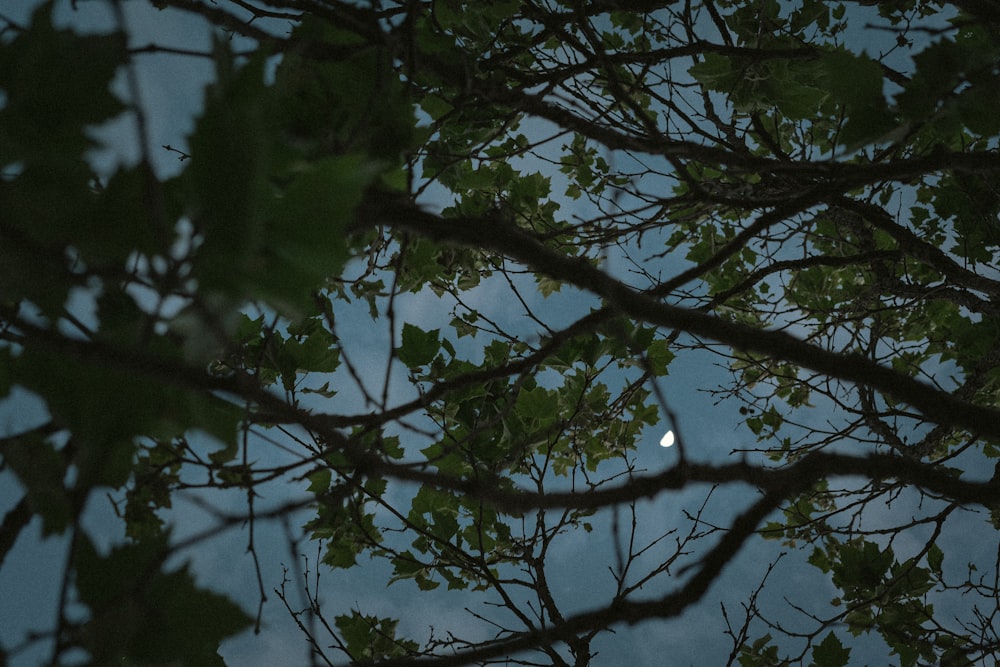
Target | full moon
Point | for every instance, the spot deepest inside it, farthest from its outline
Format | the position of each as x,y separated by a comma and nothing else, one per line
667,440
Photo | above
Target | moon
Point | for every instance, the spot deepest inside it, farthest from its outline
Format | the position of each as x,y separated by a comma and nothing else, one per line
667,440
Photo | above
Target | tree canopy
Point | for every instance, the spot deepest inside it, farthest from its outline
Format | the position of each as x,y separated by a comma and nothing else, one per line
426,278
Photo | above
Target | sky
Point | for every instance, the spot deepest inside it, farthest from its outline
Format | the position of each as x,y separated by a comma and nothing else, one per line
171,90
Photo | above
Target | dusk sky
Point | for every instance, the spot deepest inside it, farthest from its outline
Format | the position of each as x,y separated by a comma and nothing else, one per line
710,430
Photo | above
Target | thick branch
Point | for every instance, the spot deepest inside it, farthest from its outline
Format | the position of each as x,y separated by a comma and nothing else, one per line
494,234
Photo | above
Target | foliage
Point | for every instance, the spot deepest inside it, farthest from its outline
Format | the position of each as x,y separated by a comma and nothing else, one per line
423,269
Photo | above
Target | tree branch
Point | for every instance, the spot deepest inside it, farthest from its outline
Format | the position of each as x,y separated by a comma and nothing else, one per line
491,233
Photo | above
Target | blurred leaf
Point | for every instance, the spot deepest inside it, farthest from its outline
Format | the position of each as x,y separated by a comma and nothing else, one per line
49,97
714,71
140,614
319,481
856,81
228,172
42,470
107,405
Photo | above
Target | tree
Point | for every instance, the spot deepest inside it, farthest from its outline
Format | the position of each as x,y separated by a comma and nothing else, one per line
805,195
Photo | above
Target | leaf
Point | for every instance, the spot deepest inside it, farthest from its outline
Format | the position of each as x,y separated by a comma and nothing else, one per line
48,97
313,349
106,405
856,81
351,104
798,101
866,125
830,652
88,399
418,347
935,558
340,553
977,105
140,614
42,470
372,638
405,566
860,568
48,104
259,240
227,175
319,481
537,404
304,237
548,286
714,71
660,355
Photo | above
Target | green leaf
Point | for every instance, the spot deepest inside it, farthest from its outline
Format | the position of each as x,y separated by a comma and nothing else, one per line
548,286
660,355
42,470
820,559
106,405
49,97
861,567
349,104
418,347
227,175
799,102
856,81
977,107
88,398
340,553
49,102
313,349
372,638
140,614
714,71
935,558
830,652
319,481
305,238
118,222
538,404
867,124
260,239
406,566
